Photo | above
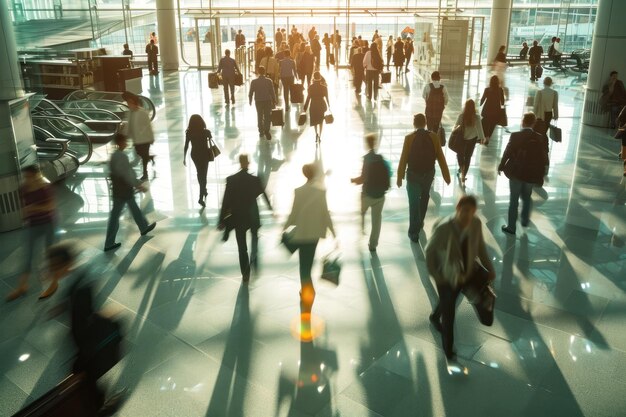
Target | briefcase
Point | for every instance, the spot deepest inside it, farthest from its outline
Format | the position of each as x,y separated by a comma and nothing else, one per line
302,119
555,133
296,92
239,79
213,80
278,117
385,77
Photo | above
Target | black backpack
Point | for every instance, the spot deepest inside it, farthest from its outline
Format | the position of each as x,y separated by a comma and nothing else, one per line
422,155
378,181
435,100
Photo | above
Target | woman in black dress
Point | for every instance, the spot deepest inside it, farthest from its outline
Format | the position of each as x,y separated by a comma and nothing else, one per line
318,99
398,55
198,135
492,102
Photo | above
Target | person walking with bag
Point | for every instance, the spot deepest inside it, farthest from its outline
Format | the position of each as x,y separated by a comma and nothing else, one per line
373,64
262,89
534,59
376,179
153,53
417,162
288,74
524,163
317,99
358,72
546,106
229,70
492,111
398,55
272,70
470,124
312,220
306,65
240,212
452,256
139,129
200,139
435,95
123,184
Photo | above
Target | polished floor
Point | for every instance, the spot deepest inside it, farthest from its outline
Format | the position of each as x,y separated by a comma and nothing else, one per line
199,343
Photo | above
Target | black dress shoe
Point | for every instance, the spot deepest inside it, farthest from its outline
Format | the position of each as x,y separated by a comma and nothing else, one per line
506,229
150,228
112,247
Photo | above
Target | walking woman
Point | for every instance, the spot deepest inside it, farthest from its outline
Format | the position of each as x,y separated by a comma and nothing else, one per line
492,103
500,64
198,136
470,122
317,98
408,52
307,65
311,219
398,55
389,50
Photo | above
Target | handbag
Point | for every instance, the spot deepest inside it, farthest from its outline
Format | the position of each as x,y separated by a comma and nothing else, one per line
555,133
329,118
214,151
456,139
503,120
480,294
302,119
331,268
287,240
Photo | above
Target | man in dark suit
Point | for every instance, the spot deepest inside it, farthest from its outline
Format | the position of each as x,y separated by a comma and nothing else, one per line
153,51
262,89
240,212
228,68
240,39
524,163
358,72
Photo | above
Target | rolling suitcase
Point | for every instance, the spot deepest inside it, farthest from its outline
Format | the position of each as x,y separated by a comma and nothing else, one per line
296,93
278,117
213,80
385,77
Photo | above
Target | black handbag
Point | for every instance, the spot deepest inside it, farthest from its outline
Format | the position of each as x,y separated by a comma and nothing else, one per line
331,269
555,133
214,151
503,120
456,139
302,119
287,240
480,294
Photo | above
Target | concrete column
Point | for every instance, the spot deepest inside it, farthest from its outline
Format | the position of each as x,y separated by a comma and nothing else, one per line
607,54
500,23
10,79
166,32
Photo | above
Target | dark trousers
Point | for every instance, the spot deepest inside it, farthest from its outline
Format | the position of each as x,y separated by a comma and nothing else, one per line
523,190
464,156
229,89
143,151
306,254
153,65
533,71
615,110
287,83
202,166
489,125
433,120
317,59
306,78
242,246
114,218
388,57
547,117
34,235
357,79
264,116
327,57
418,190
446,310
371,79
408,61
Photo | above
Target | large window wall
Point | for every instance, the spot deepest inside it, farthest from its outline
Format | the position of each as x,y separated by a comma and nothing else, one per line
111,23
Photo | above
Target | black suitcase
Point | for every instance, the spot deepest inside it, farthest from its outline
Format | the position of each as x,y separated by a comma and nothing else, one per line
385,77
296,93
278,117
239,79
213,80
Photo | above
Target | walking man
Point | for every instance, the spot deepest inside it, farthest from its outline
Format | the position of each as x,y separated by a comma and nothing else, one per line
436,96
123,183
375,177
524,163
534,59
153,51
358,71
262,88
139,129
240,212
420,151
288,74
228,68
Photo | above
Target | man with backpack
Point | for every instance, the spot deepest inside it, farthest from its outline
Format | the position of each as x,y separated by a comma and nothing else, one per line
524,163
436,96
420,151
376,180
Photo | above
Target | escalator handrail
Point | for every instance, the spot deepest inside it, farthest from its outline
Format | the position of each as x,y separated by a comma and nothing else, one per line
151,107
89,144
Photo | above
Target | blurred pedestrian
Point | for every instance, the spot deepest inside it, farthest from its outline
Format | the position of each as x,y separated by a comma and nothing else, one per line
262,89
139,129
471,124
198,136
492,102
318,103
153,61
229,69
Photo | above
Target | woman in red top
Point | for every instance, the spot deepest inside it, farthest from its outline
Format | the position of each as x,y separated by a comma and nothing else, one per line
38,209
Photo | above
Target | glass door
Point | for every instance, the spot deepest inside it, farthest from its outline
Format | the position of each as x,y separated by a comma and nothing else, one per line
475,40
209,42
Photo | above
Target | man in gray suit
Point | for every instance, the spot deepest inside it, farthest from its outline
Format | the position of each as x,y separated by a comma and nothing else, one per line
262,88
228,68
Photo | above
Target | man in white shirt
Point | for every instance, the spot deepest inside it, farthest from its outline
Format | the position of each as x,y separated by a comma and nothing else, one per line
139,129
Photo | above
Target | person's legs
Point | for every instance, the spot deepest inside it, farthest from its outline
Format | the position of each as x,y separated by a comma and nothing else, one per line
377,217
365,205
242,246
143,150
469,147
138,216
527,201
533,72
226,91
426,181
287,83
369,80
547,117
231,84
254,248
414,193
202,167
516,190
259,116
267,116
446,309
375,85
306,254
114,222
488,127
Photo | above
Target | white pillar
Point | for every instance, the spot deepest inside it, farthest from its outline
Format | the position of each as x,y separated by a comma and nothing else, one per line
500,23
166,24
607,54
10,78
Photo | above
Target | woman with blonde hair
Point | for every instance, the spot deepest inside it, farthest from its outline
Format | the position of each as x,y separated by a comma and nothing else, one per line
470,123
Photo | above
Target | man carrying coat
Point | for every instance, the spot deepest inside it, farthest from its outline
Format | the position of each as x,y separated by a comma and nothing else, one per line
240,212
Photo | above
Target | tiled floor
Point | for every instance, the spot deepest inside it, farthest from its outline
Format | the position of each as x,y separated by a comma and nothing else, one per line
201,344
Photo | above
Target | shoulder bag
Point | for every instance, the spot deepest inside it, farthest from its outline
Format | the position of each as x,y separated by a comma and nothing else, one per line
214,151
456,138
